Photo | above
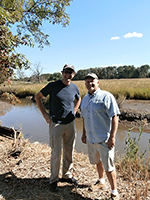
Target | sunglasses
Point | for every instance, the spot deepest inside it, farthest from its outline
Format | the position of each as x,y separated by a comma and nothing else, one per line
68,72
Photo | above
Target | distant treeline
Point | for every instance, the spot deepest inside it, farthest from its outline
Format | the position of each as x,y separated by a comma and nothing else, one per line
126,71
110,72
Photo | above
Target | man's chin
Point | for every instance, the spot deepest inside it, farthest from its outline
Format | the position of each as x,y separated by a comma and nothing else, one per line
91,90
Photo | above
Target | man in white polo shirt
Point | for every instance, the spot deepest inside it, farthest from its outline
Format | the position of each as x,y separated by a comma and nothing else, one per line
100,122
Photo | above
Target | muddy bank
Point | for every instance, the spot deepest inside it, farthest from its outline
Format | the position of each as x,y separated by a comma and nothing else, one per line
135,113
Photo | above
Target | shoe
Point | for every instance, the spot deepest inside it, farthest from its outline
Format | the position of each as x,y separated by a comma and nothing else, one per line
53,187
99,185
114,197
69,180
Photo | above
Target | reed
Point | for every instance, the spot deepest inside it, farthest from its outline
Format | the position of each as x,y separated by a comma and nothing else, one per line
128,88
22,89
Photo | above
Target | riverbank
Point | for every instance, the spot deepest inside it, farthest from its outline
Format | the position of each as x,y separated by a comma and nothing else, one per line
26,176
133,114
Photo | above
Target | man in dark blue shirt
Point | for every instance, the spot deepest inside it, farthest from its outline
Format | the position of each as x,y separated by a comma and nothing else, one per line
60,118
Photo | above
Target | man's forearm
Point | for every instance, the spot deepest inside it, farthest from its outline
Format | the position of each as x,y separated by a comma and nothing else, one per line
83,138
114,126
77,104
38,98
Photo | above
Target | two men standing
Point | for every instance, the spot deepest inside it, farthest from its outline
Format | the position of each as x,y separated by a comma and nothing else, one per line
100,121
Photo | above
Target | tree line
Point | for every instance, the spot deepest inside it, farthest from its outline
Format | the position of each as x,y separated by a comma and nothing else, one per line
113,72
126,71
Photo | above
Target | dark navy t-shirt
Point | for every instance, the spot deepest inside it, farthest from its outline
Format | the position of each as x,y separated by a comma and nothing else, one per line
61,101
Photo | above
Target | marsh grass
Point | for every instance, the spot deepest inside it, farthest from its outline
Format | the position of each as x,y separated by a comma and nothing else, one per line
21,89
129,88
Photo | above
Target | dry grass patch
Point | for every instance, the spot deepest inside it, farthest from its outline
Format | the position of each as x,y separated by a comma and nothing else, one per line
27,176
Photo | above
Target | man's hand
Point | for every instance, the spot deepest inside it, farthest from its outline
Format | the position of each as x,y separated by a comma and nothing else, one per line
114,126
111,143
47,118
83,138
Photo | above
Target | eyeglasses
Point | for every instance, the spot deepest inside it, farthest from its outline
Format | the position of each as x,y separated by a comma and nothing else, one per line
68,72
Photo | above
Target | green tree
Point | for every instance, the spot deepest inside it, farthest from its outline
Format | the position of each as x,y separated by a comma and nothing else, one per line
110,72
28,17
55,76
9,58
144,71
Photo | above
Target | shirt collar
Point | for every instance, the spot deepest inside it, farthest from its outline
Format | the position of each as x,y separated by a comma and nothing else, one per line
92,95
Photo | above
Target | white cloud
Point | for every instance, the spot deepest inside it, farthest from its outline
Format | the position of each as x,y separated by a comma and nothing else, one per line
134,34
115,38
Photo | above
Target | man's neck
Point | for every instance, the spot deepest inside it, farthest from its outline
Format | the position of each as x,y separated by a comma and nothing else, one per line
66,82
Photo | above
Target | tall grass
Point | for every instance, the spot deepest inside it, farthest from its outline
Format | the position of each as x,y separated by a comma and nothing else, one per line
133,164
129,88
22,89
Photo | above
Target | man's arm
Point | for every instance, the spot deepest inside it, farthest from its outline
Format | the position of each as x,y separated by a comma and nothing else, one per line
38,98
83,138
114,127
77,104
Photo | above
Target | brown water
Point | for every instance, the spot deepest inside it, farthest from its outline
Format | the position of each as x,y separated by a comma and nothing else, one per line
28,118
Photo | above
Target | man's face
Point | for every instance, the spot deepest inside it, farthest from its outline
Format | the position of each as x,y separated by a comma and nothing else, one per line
68,74
91,84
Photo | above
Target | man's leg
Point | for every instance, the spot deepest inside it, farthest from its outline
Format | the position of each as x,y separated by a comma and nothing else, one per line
100,170
100,183
112,179
55,131
107,156
68,147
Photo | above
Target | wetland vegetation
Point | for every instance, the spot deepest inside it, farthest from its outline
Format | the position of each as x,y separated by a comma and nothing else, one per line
129,88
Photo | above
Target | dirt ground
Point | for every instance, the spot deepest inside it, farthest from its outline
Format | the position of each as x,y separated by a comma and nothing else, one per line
26,176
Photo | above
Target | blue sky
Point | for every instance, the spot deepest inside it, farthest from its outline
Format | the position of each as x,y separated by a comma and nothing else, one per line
101,33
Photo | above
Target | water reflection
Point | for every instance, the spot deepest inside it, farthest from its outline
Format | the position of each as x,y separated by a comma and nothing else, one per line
27,117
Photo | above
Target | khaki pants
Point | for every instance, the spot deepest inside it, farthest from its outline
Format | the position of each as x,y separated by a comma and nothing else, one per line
61,135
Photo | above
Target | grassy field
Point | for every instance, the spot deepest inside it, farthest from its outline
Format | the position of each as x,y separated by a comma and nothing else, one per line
129,88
